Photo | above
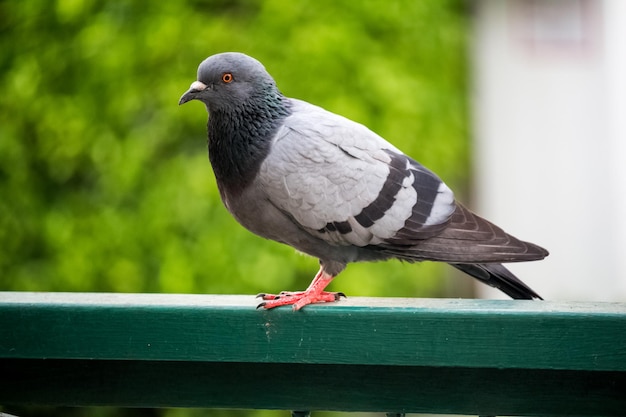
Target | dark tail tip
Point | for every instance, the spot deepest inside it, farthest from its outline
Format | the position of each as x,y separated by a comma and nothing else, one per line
497,276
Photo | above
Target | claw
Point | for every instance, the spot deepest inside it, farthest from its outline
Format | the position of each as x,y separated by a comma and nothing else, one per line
266,296
261,305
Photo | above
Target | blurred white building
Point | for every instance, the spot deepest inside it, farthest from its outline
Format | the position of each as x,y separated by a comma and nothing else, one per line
549,102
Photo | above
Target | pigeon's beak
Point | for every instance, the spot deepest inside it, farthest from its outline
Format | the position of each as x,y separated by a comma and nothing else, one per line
192,94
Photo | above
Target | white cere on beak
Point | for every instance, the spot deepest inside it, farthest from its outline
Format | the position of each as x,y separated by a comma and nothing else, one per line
197,86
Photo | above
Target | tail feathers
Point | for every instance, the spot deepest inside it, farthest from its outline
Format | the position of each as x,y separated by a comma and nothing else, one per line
497,276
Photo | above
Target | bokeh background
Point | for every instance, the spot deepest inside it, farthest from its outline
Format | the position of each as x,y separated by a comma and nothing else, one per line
105,183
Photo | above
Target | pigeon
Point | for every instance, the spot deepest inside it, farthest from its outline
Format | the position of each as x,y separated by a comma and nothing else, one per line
292,172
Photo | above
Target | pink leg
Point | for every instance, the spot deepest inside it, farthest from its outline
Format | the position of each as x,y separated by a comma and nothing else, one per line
313,294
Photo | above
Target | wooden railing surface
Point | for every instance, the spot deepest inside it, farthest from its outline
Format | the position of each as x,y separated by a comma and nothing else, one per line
440,356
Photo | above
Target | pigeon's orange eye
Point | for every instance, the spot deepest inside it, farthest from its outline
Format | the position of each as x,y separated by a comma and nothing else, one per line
227,77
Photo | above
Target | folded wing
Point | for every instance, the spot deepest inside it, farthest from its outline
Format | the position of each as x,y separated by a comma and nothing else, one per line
348,186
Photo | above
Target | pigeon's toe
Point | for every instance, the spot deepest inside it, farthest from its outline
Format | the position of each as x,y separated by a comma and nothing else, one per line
299,299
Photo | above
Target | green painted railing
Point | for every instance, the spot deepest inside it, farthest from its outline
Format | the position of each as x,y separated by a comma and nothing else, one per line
362,354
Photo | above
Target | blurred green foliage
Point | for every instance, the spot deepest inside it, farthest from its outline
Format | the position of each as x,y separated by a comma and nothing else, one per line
104,181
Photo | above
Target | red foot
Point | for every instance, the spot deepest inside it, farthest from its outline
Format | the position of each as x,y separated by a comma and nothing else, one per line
314,294
298,299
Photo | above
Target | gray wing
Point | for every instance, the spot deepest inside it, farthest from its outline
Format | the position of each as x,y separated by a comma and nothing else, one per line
346,185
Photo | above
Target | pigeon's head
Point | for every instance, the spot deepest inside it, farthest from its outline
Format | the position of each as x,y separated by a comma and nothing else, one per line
229,80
